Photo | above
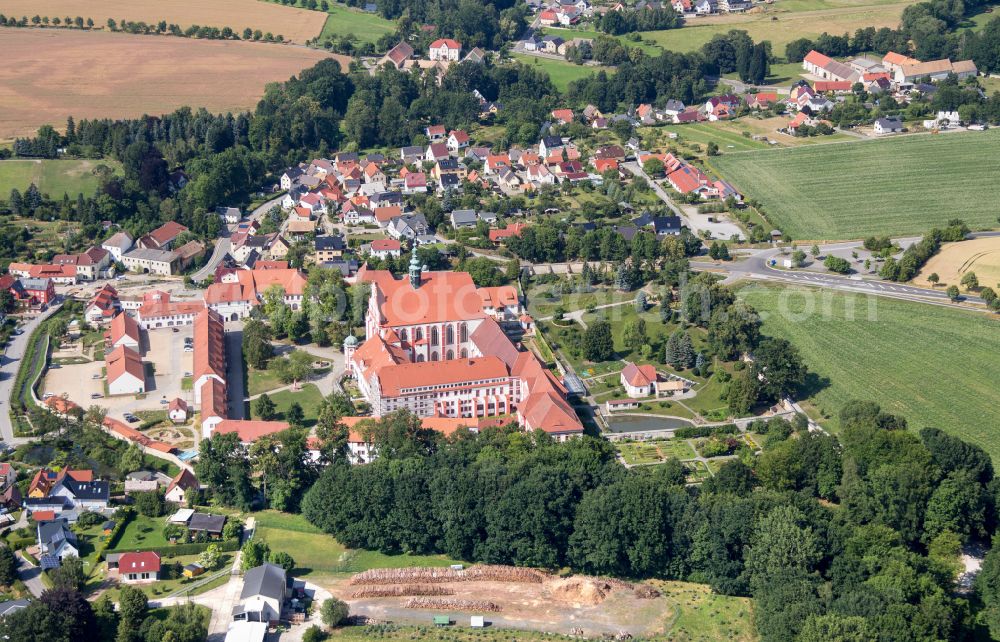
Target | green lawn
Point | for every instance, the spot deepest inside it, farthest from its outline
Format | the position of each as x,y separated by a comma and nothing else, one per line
725,135
343,21
308,397
907,184
544,299
316,553
52,177
142,532
261,381
561,72
936,366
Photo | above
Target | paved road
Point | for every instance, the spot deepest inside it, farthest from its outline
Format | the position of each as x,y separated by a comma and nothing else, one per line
9,364
694,221
31,576
756,266
223,245
235,385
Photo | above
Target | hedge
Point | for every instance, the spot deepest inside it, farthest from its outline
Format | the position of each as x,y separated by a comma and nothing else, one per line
192,548
694,432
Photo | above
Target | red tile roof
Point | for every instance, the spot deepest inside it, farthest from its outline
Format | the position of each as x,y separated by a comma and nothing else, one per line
445,42
512,229
145,562
124,360
442,296
209,345
250,431
123,326
385,245
639,376
816,58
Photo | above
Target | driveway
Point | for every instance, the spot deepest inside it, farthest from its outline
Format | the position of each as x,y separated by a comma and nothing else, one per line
31,575
696,222
223,245
9,363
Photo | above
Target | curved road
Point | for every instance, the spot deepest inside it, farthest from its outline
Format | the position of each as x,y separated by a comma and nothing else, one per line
756,266
223,245
9,364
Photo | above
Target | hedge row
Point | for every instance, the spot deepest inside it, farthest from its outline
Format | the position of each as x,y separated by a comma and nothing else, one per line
694,432
192,548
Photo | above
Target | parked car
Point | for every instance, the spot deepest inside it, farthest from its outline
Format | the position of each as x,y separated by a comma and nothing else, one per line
176,330
96,395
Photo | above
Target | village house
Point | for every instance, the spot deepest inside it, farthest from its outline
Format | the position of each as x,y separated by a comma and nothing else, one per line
265,589
126,375
56,542
136,568
888,125
177,410
124,331
179,485
118,244
151,261
445,49
639,381
162,237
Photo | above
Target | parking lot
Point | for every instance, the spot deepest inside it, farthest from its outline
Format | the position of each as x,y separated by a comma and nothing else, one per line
164,350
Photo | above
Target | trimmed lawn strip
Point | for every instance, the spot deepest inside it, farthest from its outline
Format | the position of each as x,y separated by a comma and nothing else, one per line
936,366
308,397
917,177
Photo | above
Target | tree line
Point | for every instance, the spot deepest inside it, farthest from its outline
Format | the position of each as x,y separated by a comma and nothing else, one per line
631,20
141,27
857,534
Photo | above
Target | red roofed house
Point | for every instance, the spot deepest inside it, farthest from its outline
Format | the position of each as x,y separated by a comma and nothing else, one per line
761,100
687,179
124,331
177,410
457,140
512,229
548,18
398,55
102,308
435,133
248,430
162,237
415,183
385,248
838,86
445,49
563,116
179,485
125,372
134,568
639,381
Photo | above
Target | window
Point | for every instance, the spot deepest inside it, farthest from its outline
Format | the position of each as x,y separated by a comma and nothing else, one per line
463,332
418,334
434,335
449,335
402,334
451,354
464,353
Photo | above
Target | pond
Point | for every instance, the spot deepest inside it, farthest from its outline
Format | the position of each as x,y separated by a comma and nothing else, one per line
645,423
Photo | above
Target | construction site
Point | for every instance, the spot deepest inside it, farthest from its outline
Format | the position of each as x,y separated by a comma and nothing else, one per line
506,597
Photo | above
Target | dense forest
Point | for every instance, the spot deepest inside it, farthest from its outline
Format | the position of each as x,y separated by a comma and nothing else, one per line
857,536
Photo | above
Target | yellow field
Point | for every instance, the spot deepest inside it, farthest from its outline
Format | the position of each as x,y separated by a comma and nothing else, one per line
113,75
297,25
780,25
981,256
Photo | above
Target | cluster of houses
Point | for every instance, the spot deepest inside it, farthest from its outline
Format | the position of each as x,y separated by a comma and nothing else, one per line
893,71
441,54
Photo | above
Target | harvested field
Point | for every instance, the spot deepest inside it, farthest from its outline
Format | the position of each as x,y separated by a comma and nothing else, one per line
981,256
297,25
113,75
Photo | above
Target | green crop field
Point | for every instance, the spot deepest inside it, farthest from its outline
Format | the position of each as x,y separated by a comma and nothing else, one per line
896,186
936,366
561,72
343,21
52,177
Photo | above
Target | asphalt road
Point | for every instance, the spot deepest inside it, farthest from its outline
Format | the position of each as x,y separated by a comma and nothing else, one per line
223,245
756,266
9,364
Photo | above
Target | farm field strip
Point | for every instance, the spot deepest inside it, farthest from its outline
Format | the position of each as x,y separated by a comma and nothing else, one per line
113,75
343,21
297,25
936,366
561,72
786,26
895,186
53,177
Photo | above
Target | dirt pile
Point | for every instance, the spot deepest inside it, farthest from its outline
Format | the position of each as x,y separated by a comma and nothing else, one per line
579,590
405,590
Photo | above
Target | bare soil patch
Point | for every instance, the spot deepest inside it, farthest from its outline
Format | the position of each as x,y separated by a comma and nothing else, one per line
297,25
512,598
50,74
955,260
